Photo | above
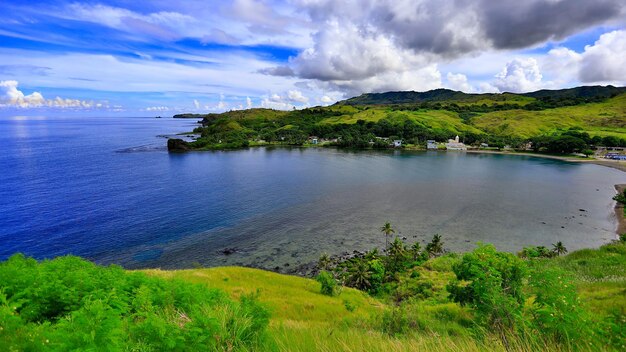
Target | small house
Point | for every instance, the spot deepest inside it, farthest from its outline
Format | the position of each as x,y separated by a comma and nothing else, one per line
397,143
314,141
432,144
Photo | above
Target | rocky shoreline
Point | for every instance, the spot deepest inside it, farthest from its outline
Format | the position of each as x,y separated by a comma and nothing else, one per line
619,211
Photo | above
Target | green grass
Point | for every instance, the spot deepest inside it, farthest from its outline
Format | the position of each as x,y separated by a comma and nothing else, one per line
607,118
68,303
305,320
430,119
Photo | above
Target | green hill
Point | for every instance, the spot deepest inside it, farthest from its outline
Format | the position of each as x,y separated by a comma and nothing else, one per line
607,118
440,114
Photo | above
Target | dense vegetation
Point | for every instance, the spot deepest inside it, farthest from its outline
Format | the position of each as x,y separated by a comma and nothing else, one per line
519,298
69,304
412,298
597,114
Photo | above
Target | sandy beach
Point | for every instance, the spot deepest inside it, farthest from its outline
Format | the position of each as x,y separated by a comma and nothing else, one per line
615,164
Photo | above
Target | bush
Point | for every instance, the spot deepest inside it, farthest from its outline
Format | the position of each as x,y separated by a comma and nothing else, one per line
556,309
327,282
620,198
71,304
494,286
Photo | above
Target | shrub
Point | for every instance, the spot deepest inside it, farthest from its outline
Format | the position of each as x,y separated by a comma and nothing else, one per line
327,282
556,309
72,304
620,198
492,284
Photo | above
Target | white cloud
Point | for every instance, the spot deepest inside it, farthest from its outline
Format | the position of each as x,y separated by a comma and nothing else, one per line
196,104
11,96
157,108
326,99
354,59
162,25
519,75
605,61
248,103
458,81
297,97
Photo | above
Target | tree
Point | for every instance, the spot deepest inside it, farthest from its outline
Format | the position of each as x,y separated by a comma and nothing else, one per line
324,262
558,248
415,250
566,144
387,230
360,276
396,255
435,247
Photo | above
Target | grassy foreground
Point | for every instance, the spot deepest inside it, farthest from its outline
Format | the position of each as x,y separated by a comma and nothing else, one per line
302,319
71,304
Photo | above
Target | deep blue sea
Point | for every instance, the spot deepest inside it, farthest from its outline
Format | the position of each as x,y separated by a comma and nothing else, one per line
108,190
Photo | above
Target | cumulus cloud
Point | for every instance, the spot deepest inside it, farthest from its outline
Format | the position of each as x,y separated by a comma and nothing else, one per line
459,26
11,96
297,97
359,41
605,61
326,99
292,99
519,75
458,81
354,60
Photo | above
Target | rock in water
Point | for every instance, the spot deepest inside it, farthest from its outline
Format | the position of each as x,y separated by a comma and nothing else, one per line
177,145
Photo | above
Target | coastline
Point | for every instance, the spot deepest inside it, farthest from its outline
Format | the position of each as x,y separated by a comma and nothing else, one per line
614,164
619,211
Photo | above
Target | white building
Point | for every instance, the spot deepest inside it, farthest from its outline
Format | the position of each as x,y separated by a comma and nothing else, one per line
432,144
454,144
397,143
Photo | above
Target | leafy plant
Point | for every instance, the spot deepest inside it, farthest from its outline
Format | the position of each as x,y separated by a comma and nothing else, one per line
490,282
327,282
71,304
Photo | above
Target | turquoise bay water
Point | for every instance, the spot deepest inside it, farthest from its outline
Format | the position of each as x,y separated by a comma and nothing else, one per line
106,189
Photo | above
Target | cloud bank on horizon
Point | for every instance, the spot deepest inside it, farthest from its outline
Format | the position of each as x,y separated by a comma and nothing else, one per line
160,57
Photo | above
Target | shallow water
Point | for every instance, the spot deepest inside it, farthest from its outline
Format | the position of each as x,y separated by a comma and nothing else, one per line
106,189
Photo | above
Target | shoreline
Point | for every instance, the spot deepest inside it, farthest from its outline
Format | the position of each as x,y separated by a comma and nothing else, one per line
614,164
619,211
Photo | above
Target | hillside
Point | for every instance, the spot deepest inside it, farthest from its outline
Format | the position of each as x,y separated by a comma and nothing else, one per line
68,303
451,96
589,116
607,118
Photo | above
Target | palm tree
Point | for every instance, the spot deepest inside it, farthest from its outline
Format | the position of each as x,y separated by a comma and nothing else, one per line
324,262
387,230
559,248
396,253
435,247
372,255
415,250
360,276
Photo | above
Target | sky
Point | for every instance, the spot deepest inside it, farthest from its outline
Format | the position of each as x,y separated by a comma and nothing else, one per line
147,58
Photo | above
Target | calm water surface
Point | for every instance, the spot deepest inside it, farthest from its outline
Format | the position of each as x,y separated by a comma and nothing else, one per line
106,189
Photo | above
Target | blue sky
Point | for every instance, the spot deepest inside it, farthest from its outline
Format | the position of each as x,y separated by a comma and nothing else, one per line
161,58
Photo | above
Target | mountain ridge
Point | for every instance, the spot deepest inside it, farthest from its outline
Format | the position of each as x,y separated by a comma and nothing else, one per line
449,95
